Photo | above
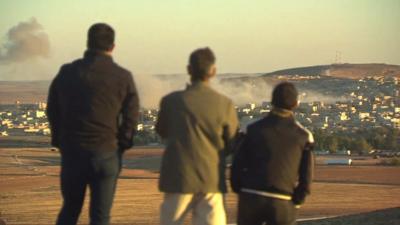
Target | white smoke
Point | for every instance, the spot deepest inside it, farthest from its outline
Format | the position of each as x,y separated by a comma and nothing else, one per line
313,96
27,40
152,88
244,92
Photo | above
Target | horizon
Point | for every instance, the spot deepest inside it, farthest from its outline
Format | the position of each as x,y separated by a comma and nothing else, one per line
223,74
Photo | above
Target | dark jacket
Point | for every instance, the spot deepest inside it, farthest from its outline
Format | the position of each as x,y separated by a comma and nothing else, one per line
198,125
93,105
275,156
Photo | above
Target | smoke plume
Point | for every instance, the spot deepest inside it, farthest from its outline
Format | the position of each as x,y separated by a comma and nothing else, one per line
27,40
153,88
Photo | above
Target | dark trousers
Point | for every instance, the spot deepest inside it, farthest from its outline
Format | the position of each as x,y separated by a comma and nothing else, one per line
99,173
258,210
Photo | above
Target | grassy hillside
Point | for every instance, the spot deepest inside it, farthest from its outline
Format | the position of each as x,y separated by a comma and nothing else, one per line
351,71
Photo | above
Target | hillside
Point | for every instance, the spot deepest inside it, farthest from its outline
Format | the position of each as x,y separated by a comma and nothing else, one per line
23,91
351,71
336,80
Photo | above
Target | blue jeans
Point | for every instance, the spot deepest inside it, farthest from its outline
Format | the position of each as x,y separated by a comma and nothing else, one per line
100,173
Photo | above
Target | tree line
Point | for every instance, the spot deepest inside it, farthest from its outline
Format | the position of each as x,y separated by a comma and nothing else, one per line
361,141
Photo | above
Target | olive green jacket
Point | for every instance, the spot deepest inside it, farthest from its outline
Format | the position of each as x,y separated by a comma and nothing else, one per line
198,125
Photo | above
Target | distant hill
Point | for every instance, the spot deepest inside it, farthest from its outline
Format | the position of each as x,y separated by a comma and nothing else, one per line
23,91
350,71
336,79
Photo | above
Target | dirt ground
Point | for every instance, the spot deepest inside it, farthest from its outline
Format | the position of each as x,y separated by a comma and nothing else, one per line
389,216
29,189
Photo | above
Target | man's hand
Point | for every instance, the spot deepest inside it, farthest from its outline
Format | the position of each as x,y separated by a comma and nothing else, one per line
299,196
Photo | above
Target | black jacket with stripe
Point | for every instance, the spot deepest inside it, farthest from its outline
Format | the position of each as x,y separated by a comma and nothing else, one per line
275,156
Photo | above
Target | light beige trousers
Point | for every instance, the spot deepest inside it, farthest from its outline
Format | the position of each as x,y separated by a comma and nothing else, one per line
207,209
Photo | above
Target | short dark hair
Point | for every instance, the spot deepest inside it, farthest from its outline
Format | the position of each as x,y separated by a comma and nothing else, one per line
285,96
200,62
100,37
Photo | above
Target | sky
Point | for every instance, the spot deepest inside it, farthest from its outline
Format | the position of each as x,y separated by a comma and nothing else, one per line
156,37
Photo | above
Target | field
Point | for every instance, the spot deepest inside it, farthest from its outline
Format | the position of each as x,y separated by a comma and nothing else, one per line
27,92
29,188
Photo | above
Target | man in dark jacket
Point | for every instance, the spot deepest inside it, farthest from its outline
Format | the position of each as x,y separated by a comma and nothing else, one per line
272,170
93,111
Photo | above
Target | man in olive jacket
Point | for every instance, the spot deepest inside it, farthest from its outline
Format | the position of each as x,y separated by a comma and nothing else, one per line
93,111
198,125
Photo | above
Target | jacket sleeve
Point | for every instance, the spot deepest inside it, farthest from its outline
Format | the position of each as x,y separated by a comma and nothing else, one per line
129,115
230,129
239,163
306,173
52,111
161,125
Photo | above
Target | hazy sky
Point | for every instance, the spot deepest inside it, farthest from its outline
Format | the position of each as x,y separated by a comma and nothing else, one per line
156,37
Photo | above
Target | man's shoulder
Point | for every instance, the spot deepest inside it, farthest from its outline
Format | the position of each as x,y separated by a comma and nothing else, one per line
220,96
173,96
122,72
121,69
306,133
68,68
256,125
70,65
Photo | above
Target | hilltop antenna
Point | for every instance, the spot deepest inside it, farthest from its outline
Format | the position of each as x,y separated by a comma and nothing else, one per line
338,57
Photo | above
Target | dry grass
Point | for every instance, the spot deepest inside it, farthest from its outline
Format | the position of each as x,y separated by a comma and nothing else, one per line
29,189
380,217
26,92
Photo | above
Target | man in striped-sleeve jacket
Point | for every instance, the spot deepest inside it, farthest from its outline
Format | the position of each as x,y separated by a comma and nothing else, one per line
273,168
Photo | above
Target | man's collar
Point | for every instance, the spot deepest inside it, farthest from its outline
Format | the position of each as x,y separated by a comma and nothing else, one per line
198,84
282,112
97,54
